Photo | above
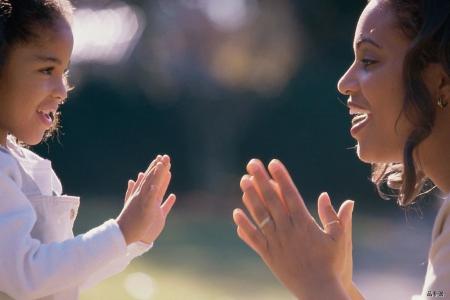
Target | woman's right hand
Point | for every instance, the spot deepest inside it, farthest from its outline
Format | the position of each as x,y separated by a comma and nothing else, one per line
311,261
143,216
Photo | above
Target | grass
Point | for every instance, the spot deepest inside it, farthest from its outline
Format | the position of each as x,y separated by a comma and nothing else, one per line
199,256
195,258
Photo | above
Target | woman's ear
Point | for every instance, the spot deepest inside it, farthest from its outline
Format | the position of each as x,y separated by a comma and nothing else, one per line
444,88
437,81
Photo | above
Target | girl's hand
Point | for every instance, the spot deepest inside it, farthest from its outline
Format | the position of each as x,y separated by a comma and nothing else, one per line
143,216
308,259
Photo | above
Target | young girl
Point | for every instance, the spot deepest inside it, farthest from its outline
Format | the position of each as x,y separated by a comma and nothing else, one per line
399,90
39,256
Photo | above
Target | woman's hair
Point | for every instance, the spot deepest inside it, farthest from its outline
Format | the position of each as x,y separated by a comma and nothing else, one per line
427,24
20,22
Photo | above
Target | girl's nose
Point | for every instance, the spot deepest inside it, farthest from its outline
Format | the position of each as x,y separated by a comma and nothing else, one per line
348,84
60,89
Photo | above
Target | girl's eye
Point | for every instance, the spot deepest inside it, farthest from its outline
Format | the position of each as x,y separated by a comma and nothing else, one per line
47,71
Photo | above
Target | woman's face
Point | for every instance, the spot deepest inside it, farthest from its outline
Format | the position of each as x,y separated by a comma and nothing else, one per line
374,85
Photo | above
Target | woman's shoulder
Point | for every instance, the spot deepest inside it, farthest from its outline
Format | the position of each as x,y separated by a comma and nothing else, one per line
442,222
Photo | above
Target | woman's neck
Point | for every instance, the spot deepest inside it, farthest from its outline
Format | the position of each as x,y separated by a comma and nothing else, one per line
434,157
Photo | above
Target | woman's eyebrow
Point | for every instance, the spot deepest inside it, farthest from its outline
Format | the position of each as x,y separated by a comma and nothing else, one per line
367,40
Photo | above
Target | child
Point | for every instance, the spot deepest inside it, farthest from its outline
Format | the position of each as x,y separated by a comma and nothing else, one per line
39,256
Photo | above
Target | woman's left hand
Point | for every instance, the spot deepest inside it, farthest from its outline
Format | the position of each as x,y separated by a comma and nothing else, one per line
307,259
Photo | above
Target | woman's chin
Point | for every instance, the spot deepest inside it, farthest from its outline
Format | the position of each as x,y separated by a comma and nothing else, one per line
372,155
364,155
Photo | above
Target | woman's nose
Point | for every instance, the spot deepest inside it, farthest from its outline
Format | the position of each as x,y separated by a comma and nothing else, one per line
348,84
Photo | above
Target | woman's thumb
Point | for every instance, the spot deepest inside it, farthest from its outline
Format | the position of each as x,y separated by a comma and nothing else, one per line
345,213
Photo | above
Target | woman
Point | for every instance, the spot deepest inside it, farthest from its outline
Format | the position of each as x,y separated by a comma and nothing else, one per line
399,90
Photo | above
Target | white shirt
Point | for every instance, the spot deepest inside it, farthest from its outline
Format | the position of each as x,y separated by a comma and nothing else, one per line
39,256
437,278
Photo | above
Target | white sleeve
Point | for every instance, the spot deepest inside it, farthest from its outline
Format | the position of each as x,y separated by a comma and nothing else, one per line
437,279
30,269
116,266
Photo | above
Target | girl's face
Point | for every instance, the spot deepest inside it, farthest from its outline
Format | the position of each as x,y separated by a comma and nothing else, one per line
33,83
374,85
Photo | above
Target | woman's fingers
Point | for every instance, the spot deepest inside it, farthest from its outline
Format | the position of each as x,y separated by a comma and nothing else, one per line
345,214
255,206
265,187
168,204
328,216
291,195
248,232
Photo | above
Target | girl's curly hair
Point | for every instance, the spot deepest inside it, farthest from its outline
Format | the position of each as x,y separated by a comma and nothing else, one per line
19,20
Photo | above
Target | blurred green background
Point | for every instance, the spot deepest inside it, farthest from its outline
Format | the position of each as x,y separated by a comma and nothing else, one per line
213,84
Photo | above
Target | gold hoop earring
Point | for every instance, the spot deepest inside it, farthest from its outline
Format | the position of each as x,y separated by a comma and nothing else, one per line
442,103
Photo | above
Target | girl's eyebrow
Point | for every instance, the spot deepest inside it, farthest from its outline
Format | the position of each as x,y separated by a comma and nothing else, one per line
44,58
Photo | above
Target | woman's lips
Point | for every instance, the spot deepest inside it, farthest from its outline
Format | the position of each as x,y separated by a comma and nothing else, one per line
361,117
358,123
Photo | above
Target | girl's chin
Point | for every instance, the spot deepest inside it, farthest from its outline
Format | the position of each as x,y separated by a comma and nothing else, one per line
31,140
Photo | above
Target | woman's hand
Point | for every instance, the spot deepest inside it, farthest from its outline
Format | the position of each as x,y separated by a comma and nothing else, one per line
309,260
143,216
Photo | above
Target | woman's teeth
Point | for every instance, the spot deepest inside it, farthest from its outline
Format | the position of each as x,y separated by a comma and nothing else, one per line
359,117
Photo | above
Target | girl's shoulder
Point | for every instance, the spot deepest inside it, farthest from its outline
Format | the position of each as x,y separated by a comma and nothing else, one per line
22,154
35,170
9,166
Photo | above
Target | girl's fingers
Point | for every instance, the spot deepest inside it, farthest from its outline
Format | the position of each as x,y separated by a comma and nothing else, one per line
151,166
168,204
157,159
248,232
266,189
328,216
138,185
291,195
255,206
164,186
152,183
165,159
129,190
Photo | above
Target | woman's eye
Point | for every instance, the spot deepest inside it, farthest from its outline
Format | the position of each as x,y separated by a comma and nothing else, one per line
368,62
